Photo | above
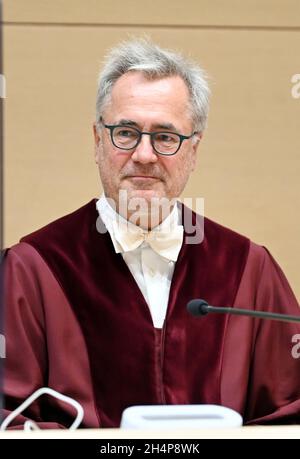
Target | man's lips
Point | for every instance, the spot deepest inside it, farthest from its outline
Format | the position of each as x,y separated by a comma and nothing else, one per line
142,177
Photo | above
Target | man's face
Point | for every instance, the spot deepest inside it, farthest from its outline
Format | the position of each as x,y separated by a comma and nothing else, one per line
157,105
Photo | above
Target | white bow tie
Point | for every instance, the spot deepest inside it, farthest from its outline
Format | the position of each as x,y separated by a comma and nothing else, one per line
166,242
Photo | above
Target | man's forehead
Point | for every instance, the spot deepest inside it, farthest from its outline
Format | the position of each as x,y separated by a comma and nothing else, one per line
149,105
135,98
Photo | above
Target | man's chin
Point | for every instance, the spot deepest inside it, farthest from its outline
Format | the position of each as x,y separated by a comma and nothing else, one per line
148,195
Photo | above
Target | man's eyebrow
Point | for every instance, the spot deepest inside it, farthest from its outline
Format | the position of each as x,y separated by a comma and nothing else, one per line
168,126
125,122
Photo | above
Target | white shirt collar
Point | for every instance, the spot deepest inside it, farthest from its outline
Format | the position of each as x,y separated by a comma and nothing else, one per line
110,217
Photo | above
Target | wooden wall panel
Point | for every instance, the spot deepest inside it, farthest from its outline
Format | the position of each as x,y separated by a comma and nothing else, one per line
271,13
249,162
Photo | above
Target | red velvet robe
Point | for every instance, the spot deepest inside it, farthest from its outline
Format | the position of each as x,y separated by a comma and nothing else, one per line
77,322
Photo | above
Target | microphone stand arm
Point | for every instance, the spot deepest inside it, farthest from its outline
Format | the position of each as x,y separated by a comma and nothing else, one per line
247,312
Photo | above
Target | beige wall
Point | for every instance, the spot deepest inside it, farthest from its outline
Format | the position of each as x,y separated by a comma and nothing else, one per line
249,162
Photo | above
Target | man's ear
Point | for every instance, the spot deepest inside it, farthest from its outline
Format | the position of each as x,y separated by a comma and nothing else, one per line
96,134
196,140
97,142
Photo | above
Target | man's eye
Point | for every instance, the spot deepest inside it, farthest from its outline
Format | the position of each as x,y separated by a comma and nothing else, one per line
166,138
125,133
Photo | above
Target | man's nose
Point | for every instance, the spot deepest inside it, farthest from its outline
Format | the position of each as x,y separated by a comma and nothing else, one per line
144,152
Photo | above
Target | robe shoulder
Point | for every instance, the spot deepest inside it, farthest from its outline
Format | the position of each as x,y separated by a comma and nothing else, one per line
264,285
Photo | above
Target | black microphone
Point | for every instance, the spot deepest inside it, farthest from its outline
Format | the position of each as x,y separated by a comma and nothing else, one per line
200,307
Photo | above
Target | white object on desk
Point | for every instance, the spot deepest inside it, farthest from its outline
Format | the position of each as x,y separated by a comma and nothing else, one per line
179,416
31,425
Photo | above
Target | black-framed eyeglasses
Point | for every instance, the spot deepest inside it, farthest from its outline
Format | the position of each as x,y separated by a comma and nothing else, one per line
163,142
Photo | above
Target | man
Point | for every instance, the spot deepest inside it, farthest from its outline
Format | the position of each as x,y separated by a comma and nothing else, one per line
96,301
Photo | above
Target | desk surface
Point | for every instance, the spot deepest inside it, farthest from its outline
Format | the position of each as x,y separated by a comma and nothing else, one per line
272,432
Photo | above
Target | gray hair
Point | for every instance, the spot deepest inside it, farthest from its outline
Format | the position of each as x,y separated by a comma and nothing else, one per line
154,62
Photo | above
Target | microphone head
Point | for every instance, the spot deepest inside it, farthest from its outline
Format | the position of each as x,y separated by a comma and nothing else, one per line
197,307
